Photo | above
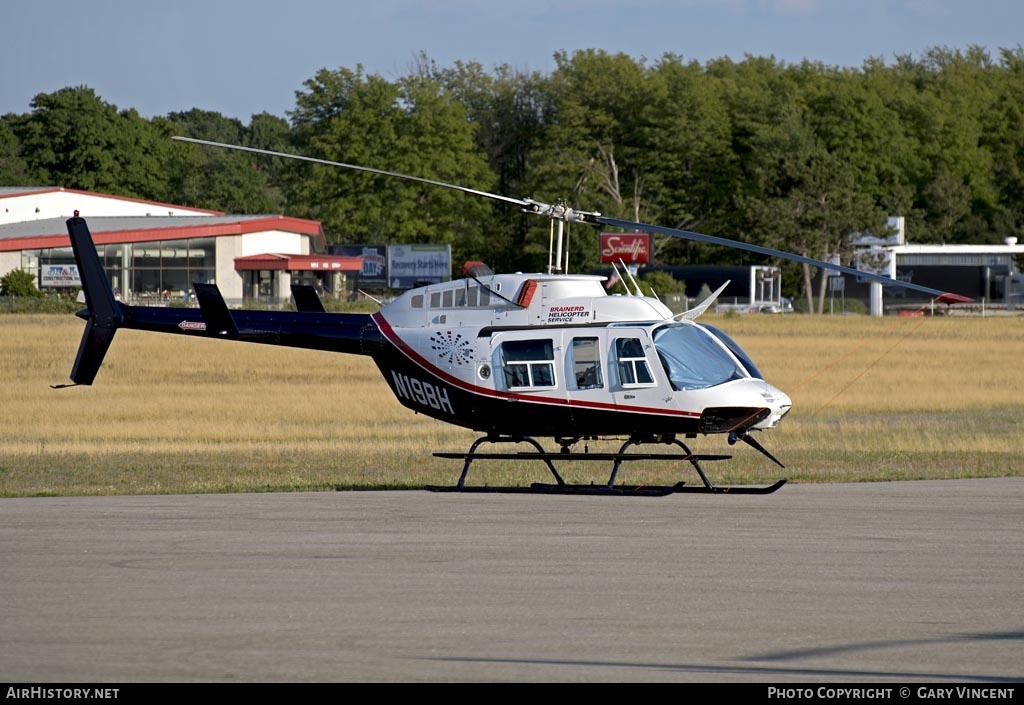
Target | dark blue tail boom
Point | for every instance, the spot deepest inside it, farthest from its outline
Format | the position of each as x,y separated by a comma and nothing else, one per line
353,333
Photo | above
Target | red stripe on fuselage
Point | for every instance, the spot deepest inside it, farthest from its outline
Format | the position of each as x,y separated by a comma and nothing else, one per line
431,369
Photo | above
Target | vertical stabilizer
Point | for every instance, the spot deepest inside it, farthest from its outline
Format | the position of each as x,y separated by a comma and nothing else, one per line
103,314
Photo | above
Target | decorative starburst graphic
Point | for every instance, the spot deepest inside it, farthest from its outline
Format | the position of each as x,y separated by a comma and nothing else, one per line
452,348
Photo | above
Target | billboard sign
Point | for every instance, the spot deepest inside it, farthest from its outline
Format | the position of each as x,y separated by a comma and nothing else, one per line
59,275
412,265
631,248
374,274
876,260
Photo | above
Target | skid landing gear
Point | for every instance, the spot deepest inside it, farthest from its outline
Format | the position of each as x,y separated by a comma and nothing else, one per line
610,488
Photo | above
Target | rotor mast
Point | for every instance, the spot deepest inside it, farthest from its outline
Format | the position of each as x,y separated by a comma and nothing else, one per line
561,214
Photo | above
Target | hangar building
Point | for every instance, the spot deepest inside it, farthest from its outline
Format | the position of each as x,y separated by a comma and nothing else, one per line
154,251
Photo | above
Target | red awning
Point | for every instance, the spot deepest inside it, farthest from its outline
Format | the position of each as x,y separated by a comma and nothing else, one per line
298,263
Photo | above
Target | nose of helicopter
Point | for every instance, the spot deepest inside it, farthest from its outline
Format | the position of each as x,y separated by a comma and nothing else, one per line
778,402
754,404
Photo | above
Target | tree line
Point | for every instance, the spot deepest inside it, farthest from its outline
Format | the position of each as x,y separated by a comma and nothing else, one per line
789,156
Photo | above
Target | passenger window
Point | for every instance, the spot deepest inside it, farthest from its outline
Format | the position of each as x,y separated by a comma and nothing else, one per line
633,369
586,363
528,363
435,299
446,299
471,296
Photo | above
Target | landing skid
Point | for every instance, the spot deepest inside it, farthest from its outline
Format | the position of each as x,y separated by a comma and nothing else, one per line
541,488
609,488
717,489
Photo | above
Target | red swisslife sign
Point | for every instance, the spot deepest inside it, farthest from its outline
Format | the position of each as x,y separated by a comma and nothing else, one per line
631,248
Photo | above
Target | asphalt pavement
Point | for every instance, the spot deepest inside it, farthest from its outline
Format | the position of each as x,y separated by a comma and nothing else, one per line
869,583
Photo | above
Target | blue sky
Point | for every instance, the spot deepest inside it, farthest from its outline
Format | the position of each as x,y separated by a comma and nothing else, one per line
241,58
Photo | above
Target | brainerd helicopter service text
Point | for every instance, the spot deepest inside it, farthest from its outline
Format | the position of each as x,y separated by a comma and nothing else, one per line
515,357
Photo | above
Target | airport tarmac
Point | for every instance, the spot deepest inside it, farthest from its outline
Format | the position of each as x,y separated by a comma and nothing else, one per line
867,583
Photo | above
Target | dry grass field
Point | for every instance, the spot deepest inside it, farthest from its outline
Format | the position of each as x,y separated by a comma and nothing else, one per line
874,399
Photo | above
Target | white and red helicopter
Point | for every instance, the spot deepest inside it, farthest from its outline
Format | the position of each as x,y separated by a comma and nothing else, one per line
515,357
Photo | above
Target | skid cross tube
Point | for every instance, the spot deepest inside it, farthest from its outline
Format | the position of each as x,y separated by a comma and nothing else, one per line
620,456
471,455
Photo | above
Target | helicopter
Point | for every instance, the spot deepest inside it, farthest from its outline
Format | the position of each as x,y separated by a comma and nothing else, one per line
513,356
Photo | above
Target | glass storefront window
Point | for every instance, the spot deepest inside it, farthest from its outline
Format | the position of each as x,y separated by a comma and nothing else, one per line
149,271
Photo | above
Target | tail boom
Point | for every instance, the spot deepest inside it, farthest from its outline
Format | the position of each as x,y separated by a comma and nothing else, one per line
353,333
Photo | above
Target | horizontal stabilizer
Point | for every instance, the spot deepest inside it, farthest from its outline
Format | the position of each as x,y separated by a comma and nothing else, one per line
306,299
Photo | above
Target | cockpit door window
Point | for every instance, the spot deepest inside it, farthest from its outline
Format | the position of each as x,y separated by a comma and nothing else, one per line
632,363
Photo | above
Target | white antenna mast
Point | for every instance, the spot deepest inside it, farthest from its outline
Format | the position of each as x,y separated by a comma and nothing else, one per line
639,292
619,277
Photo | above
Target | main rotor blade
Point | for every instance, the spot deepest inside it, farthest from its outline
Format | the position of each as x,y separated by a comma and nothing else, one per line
517,201
736,244
562,212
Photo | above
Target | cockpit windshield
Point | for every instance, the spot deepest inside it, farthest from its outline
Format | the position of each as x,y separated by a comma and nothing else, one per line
693,359
736,350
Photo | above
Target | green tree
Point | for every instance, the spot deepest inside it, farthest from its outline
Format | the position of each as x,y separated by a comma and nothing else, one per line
412,126
853,114
593,155
74,139
142,156
215,178
807,202
272,133
508,111
14,170
693,174
1003,137
946,97
656,283
18,282
789,156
